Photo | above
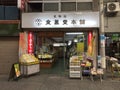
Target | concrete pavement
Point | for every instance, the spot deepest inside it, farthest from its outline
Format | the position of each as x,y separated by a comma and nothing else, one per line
57,82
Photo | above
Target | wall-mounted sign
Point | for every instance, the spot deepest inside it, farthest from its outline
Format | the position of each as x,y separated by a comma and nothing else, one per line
60,20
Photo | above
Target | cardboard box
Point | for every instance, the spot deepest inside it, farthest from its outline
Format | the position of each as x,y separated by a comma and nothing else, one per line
30,69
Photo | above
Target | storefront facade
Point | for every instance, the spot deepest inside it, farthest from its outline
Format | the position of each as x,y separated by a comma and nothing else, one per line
59,17
51,25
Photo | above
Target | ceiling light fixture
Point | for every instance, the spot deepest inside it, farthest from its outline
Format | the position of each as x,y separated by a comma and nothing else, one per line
74,33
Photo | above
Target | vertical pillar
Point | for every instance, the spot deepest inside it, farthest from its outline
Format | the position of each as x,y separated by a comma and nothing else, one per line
102,36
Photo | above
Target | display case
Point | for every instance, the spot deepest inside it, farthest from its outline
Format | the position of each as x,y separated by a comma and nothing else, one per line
46,60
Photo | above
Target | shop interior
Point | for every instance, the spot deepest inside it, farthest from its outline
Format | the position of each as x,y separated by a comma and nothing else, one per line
113,45
55,49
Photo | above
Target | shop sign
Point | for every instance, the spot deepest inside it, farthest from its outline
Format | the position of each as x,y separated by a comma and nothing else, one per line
15,73
60,20
21,4
99,61
102,40
30,42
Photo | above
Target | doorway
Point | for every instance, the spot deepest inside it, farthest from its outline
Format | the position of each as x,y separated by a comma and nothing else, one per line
54,49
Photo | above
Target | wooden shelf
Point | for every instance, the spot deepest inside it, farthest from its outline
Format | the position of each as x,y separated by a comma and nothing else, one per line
9,21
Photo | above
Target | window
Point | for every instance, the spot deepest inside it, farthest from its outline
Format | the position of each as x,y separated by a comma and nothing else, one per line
59,5
84,6
34,7
51,7
68,6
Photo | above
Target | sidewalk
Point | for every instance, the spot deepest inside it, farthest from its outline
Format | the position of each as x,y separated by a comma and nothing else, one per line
55,82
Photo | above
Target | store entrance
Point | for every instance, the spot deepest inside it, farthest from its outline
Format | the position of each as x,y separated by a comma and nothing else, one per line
54,49
49,51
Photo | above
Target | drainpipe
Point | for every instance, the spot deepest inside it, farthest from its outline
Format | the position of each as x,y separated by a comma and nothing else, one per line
102,34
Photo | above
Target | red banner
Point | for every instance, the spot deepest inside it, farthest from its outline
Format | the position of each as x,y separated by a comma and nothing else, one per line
90,44
30,42
89,37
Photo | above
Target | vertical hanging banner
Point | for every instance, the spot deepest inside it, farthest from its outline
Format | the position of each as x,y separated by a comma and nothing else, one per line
90,43
102,40
23,43
30,42
21,4
99,62
89,37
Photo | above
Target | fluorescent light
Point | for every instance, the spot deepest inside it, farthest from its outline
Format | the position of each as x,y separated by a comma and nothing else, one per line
56,44
69,43
59,44
74,33
75,40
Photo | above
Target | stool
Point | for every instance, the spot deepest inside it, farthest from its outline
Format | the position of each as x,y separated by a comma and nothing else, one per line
115,67
98,72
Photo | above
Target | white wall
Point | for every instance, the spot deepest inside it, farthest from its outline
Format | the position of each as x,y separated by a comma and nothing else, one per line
112,24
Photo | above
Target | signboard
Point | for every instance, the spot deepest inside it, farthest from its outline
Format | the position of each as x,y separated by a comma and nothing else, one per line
80,47
60,20
99,61
20,3
14,72
30,42
17,69
102,40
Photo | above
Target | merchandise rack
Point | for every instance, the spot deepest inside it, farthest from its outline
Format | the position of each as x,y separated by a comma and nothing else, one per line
75,68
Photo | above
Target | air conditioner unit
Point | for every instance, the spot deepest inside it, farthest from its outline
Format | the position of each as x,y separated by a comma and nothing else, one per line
113,6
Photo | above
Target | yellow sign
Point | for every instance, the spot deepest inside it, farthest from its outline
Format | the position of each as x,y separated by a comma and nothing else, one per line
17,69
80,47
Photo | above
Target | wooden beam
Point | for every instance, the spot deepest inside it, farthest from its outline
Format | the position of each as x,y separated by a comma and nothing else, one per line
9,21
51,34
8,2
